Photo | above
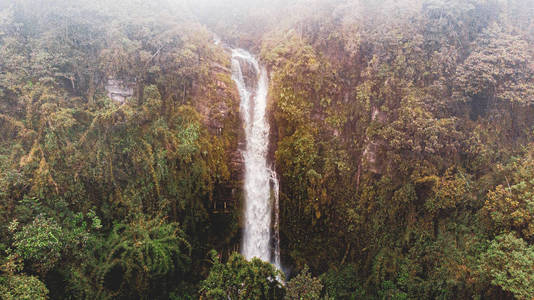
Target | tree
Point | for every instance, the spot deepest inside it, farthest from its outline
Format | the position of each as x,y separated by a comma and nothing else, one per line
497,71
40,243
303,286
131,259
240,279
510,206
22,287
507,263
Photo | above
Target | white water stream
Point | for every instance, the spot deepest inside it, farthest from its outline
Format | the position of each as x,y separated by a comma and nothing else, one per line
260,182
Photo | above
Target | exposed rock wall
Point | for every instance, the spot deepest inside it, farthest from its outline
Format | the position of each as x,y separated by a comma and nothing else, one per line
119,90
370,157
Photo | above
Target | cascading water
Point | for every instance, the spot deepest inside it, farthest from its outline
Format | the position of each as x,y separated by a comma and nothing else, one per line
260,181
276,190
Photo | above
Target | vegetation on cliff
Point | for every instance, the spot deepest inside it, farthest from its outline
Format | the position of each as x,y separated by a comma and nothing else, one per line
402,135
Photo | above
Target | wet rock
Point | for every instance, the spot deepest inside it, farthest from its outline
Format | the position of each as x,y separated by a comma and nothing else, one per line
378,115
218,113
250,74
221,84
371,159
119,90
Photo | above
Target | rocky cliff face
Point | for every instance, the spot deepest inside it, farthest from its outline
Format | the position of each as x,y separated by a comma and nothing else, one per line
218,103
118,90
249,74
370,157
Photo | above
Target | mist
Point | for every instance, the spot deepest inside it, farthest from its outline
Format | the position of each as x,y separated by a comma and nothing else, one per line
254,149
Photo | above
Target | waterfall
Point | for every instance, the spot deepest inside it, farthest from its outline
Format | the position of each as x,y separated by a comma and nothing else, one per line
260,181
276,190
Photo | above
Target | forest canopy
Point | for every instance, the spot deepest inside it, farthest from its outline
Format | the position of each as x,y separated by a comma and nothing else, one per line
401,132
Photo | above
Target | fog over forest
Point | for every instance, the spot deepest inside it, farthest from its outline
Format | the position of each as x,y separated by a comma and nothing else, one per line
266,149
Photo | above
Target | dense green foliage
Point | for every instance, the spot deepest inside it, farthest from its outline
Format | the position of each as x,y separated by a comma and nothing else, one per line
304,286
102,200
241,279
402,132
508,263
22,287
404,146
